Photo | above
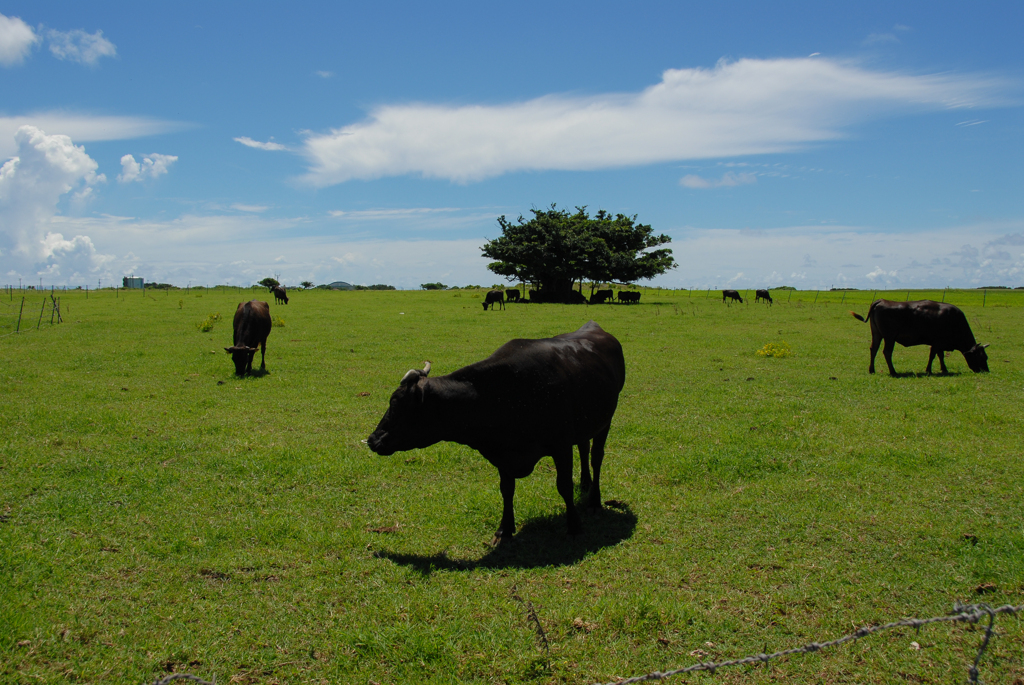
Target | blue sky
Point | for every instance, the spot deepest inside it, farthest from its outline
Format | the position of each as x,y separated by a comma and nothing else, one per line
808,144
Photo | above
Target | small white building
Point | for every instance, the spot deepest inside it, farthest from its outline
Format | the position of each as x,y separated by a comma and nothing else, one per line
132,282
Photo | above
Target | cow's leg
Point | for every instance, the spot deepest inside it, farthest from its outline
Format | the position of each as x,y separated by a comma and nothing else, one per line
876,341
584,448
931,356
890,344
942,361
507,528
263,355
563,481
596,458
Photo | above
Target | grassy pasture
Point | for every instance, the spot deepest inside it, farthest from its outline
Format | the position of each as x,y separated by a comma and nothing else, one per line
158,514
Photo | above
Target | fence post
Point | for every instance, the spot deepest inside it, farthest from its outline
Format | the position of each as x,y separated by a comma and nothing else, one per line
984,295
41,308
843,300
816,293
790,297
944,294
20,309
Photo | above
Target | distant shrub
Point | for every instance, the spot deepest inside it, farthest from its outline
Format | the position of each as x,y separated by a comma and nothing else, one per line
207,325
779,349
433,286
378,286
278,322
181,303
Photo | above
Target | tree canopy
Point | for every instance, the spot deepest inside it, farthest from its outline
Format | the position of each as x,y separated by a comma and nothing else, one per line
269,282
555,249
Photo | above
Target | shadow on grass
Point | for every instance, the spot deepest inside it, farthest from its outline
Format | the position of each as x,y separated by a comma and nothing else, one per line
922,374
541,542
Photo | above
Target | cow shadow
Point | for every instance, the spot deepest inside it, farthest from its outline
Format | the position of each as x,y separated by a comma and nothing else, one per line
541,542
922,374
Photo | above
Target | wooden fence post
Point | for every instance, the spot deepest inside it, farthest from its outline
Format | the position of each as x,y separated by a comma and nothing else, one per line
816,293
41,308
984,295
20,309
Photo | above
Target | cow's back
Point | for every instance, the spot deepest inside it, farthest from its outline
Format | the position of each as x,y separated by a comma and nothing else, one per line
252,323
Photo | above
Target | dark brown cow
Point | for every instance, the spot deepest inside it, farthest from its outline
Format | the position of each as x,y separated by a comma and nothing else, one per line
731,295
492,297
512,295
922,322
763,295
252,326
569,385
602,296
279,294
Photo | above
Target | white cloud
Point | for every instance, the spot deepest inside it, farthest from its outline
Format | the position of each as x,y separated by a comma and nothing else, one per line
249,208
324,74
79,46
16,40
47,168
151,166
269,145
391,214
745,107
880,39
728,180
84,128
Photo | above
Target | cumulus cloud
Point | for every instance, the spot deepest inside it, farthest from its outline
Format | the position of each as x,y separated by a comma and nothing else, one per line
79,46
269,145
881,274
151,166
728,180
324,74
46,168
250,208
84,128
745,107
16,40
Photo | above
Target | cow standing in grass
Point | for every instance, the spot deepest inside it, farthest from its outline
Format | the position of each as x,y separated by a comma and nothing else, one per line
763,295
922,322
252,326
492,297
731,295
569,385
280,295
512,295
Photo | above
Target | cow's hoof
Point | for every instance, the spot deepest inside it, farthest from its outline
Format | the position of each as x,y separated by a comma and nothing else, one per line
500,540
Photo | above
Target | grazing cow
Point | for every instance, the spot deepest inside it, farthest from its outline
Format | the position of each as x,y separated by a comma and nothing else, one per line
279,294
252,326
763,295
922,322
492,297
569,385
628,296
534,296
731,295
602,296
512,295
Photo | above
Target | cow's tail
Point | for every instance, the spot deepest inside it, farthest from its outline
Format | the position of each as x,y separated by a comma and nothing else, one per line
868,316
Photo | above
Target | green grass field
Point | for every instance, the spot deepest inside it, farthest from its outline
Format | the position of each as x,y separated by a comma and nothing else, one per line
159,515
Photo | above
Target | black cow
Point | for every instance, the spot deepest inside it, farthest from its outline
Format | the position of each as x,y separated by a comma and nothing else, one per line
492,297
569,385
628,296
763,295
279,294
252,326
731,295
602,296
922,322
512,295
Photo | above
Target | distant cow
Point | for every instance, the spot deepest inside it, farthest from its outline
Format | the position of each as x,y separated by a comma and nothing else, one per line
568,385
763,295
492,297
512,295
922,322
279,294
602,296
731,295
534,296
628,296
252,326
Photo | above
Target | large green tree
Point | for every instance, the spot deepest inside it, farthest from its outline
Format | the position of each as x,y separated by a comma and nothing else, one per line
555,249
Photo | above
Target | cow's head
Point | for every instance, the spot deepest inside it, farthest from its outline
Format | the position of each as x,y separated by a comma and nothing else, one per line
406,424
242,356
487,301
976,358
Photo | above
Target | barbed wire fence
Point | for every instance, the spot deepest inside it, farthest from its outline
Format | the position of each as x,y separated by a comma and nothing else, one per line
963,613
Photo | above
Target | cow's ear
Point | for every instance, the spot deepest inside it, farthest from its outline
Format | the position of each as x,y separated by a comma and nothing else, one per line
228,350
985,345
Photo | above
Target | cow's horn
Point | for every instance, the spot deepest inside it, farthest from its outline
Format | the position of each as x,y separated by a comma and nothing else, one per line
426,368
985,345
411,375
